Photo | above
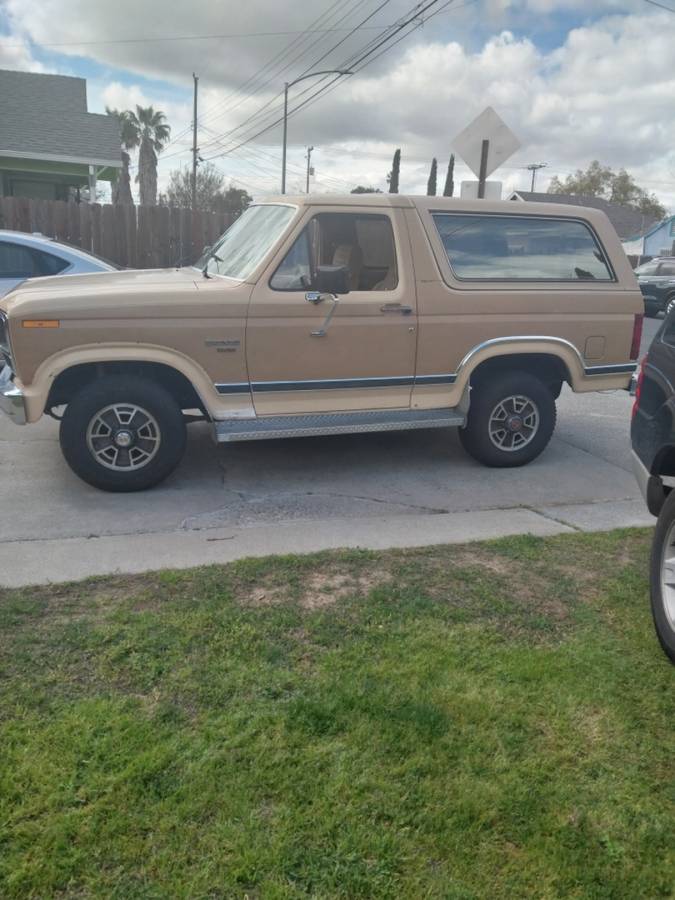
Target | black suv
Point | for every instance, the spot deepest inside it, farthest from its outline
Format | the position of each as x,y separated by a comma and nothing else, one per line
653,440
657,283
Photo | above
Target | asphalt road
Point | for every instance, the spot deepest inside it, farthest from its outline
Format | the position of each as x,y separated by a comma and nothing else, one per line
371,490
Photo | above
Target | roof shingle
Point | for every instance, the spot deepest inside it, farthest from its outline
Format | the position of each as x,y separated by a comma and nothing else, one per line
45,116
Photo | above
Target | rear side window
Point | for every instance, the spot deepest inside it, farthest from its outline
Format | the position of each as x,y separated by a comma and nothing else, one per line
521,248
19,261
667,269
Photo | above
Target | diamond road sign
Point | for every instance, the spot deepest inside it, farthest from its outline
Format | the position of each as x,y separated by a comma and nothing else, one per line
488,126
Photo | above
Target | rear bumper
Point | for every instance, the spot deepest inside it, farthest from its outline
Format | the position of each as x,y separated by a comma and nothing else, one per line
12,402
641,473
652,487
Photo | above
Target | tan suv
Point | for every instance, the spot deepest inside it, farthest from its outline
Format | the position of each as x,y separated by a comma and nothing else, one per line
329,315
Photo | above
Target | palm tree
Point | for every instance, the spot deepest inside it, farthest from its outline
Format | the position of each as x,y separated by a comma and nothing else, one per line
153,133
129,139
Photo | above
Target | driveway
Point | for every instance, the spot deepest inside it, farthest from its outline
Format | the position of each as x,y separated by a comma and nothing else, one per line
375,490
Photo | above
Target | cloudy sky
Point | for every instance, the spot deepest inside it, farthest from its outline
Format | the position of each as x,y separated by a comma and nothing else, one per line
575,79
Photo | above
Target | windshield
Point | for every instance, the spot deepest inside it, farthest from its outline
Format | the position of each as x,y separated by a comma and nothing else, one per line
246,242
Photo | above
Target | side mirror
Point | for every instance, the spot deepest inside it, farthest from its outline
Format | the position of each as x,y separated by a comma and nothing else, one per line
332,280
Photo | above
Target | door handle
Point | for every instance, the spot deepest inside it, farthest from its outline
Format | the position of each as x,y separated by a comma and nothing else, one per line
396,308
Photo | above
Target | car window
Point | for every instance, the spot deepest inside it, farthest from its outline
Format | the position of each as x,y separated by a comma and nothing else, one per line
50,264
19,261
520,248
667,269
362,242
294,273
649,268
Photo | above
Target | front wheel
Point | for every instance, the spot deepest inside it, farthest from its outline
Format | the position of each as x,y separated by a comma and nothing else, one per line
511,419
123,433
662,577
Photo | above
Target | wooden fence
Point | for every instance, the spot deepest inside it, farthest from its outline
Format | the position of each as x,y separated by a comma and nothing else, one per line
142,237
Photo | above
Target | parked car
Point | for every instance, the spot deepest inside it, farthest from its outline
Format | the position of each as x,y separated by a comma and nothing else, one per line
330,315
653,444
657,283
25,256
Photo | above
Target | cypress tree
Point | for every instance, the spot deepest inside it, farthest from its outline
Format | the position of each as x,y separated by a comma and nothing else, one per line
393,176
431,183
449,188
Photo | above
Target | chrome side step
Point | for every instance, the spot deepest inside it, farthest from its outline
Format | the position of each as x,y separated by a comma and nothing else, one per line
336,423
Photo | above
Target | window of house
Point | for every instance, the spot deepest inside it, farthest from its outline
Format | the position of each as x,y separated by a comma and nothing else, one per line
521,248
362,242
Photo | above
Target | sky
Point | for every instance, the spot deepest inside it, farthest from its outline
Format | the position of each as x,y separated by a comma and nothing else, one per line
576,80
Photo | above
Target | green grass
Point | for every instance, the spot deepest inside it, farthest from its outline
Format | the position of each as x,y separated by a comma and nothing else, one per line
488,721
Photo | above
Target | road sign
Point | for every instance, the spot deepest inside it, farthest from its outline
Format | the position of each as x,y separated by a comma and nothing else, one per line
488,126
469,190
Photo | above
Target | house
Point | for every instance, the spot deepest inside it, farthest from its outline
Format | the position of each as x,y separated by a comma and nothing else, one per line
659,240
50,146
626,220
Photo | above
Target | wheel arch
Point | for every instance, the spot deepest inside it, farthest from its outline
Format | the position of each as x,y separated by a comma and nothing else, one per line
59,375
556,359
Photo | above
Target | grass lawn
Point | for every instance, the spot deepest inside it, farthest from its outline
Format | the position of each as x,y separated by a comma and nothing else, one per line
484,721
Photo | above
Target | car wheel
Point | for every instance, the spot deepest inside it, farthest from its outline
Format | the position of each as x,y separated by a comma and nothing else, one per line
511,419
123,433
652,310
662,577
670,304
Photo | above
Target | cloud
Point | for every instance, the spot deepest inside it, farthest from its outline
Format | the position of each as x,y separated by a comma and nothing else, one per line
600,90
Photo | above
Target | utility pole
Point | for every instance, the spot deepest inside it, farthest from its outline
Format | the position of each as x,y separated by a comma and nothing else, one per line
195,149
534,167
309,167
289,84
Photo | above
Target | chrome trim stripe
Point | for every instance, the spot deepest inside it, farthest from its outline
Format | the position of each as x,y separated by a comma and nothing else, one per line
449,378
238,387
319,384
619,369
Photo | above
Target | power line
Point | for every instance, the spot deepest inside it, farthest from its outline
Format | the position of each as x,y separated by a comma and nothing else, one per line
360,59
259,112
280,57
190,37
351,62
661,5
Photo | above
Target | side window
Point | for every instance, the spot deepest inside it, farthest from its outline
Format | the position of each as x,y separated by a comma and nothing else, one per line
50,264
362,242
520,248
667,269
294,273
17,261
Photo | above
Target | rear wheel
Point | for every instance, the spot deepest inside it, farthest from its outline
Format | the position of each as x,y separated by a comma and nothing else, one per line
651,309
123,433
662,577
670,304
511,419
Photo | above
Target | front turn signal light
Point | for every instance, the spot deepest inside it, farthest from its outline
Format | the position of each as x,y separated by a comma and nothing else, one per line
41,323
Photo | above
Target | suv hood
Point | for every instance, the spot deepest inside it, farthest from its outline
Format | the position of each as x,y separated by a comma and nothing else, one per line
125,278
97,293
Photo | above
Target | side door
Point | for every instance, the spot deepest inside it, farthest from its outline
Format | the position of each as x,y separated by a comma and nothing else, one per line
364,357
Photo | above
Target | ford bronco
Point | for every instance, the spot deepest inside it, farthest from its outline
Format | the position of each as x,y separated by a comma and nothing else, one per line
329,315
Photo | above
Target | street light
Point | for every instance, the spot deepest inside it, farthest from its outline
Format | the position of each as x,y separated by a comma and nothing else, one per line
289,84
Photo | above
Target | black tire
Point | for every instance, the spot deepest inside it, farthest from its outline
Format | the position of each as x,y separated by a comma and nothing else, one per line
652,310
486,396
160,433
665,629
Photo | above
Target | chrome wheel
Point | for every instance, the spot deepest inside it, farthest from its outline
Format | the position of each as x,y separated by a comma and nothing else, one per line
513,423
670,307
668,576
123,437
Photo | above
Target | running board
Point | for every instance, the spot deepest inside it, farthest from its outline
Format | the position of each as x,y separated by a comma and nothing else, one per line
265,427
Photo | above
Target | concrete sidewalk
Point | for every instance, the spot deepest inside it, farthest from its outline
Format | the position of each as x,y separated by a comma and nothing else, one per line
56,560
